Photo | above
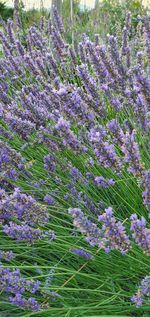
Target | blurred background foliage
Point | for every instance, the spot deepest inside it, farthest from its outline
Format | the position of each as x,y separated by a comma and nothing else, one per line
5,12
107,16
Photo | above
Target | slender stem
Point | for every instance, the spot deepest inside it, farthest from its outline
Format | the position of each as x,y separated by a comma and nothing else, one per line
80,268
71,17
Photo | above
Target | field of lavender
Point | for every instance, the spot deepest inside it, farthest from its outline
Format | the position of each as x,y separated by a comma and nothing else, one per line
74,172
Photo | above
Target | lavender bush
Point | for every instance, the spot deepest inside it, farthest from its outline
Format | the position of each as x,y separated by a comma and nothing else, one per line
74,172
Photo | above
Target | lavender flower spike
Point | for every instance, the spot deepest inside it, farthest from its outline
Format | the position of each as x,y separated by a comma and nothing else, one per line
87,227
140,233
82,253
132,154
115,237
29,304
146,193
22,232
7,255
142,292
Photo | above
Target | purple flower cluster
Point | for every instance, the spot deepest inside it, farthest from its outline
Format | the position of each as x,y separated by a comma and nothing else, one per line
146,193
41,61
49,163
5,133
78,110
21,126
131,153
57,20
71,100
116,130
7,255
111,236
147,33
27,304
82,253
87,227
104,151
92,89
23,207
100,181
49,199
142,293
11,281
142,113
44,137
10,162
22,232
69,138
140,233
115,237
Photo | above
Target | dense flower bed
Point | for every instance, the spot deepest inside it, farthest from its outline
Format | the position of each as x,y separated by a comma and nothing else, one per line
74,171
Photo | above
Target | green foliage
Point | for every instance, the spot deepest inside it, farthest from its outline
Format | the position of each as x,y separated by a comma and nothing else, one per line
106,18
67,17
5,12
33,16
115,10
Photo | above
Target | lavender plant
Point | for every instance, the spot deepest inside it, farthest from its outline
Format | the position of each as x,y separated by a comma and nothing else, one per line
74,135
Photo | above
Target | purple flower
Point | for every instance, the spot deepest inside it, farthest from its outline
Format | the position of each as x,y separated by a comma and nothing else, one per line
23,207
95,59
100,181
50,235
49,200
5,133
28,304
104,151
10,162
23,127
7,255
132,154
145,285
137,299
117,133
57,20
22,232
109,65
115,237
146,193
13,282
115,54
62,125
142,113
49,163
142,292
82,53
140,233
59,45
147,33
87,227
82,253
69,138
92,89
32,287
111,236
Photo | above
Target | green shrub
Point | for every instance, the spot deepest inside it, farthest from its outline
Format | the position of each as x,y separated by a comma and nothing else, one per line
5,12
